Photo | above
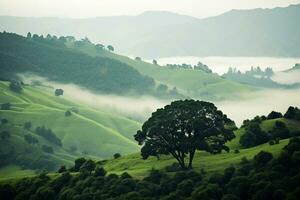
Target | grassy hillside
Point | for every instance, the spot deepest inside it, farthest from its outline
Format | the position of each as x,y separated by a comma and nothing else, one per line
134,165
193,83
91,132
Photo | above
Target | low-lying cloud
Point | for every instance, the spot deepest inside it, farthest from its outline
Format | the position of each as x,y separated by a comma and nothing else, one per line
289,77
140,108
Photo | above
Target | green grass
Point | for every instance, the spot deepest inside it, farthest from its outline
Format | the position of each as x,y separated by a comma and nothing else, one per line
99,133
10,172
193,83
136,166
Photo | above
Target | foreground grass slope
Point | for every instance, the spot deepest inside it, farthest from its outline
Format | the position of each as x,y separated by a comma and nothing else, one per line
92,132
136,166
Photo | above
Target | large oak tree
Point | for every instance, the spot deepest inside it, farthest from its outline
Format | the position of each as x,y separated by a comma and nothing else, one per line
183,127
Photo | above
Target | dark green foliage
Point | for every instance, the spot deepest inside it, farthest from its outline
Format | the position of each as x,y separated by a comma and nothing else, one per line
7,192
253,135
263,178
5,106
262,158
68,113
280,131
15,86
59,92
4,135
4,121
117,155
48,135
274,115
30,139
99,171
184,127
52,59
292,113
294,145
62,169
78,163
236,151
27,125
88,166
47,149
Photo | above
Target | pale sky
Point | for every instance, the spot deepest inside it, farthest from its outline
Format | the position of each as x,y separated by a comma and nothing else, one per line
93,8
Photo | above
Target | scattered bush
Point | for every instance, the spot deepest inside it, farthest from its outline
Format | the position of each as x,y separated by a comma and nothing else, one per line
48,134
30,139
117,155
68,113
59,92
15,86
5,106
27,125
236,151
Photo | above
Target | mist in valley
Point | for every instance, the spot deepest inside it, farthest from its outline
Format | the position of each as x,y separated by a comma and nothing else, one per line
140,108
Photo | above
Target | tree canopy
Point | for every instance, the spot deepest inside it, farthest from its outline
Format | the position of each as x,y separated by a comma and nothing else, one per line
183,127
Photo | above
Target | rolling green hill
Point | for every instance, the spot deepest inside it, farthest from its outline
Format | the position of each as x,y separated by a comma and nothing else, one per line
193,83
136,166
89,132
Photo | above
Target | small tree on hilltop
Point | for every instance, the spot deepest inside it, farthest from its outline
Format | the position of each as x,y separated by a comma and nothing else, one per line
183,127
59,92
110,48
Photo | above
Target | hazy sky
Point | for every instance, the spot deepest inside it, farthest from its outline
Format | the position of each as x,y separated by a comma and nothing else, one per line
92,8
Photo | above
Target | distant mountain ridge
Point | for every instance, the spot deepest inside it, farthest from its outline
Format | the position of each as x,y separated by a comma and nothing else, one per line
257,32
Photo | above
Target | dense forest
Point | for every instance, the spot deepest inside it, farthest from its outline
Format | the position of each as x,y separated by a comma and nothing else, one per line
49,57
264,177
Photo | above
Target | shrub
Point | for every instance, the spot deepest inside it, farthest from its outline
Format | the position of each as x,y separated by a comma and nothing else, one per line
15,86
27,125
59,92
5,106
62,169
117,155
271,142
99,171
68,113
236,151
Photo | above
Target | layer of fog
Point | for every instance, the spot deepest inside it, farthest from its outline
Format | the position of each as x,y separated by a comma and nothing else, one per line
140,108
137,108
288,77
220,65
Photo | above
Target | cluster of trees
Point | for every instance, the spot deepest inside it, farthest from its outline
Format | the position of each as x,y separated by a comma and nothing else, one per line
30,139
49,57
254,135
255,77
48,134
264,177
198,66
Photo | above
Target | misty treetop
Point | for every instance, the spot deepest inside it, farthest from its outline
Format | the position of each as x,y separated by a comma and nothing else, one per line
183,127
49,57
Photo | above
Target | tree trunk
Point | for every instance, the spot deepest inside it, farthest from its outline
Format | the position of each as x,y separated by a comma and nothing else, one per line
191,157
